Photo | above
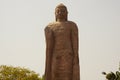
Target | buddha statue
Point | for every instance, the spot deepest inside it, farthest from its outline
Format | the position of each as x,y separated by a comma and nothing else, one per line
62,58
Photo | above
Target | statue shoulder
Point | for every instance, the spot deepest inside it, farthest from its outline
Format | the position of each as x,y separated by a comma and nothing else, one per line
49,26
73,25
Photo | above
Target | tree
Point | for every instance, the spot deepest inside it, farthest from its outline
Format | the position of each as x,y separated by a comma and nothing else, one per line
17,73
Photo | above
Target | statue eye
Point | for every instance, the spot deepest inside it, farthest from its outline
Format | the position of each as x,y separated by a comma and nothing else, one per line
63,11
58,11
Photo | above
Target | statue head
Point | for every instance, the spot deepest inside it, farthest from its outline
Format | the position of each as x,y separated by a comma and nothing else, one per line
61,12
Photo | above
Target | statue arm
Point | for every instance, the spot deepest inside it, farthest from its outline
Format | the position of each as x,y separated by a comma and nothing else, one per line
76,73
49,46
75,43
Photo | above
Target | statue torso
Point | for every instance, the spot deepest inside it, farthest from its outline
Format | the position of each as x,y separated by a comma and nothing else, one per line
62,34
62,51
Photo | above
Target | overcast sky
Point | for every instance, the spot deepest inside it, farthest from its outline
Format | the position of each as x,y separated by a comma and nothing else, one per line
22,40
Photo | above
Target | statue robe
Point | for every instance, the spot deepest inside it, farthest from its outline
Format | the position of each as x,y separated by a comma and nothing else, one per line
62,62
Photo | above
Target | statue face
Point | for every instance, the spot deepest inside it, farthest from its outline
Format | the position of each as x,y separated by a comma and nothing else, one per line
61,13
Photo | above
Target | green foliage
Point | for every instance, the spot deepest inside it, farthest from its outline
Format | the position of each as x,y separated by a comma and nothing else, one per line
43,77
17,73
112,76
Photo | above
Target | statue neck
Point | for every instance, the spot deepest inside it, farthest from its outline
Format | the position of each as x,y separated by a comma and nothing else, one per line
61,20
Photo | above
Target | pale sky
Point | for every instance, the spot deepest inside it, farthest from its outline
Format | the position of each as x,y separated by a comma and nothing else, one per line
22,40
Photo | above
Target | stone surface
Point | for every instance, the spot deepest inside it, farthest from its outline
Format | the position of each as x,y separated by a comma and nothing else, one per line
62,61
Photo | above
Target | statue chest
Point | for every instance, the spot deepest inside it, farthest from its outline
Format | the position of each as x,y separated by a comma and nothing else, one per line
61,31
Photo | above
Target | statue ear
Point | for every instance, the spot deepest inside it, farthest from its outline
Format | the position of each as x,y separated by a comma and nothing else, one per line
56,19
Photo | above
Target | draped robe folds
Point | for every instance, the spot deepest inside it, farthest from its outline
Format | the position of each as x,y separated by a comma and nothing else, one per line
62,59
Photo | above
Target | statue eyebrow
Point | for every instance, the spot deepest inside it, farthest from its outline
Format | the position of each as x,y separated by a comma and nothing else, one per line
61,10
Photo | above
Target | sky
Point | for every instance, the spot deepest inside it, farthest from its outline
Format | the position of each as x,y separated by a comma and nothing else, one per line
22,39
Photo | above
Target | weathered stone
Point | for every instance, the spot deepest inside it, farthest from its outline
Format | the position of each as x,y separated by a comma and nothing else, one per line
62,62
